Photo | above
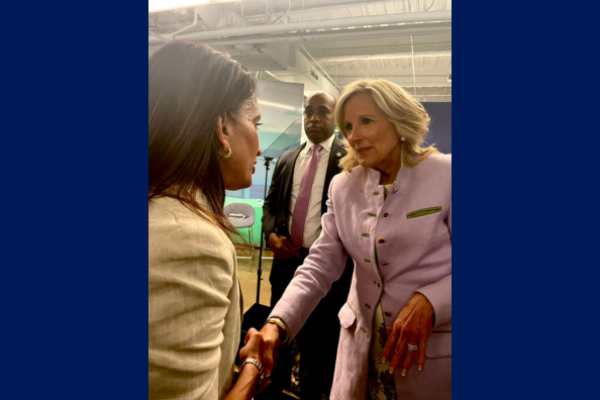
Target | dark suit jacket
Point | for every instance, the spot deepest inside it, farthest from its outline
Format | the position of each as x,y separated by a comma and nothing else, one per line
276,210
321,331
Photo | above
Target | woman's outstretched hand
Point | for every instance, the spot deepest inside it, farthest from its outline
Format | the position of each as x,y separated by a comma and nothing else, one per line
271,342
252,346
249,375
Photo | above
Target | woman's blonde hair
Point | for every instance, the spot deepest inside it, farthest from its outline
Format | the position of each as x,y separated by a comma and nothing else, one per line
404,112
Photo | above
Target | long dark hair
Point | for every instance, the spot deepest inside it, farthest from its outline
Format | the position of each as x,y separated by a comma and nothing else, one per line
189,87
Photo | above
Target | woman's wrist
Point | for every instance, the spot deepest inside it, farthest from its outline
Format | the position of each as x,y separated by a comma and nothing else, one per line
250,371
253,368
284,331
247,384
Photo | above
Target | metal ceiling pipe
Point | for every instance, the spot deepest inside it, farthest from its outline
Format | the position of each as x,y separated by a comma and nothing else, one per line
193,24
383,56
216,17
428,16
346,34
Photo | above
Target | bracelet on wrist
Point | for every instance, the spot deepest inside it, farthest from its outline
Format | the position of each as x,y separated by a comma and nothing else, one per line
283,329
258,365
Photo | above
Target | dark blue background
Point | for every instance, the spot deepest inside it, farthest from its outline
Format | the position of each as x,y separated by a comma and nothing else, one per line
74,225
74,207
525,195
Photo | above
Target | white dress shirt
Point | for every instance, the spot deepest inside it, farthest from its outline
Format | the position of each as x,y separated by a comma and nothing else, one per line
312,226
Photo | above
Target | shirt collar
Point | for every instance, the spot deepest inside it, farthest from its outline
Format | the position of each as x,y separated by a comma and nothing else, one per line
326,145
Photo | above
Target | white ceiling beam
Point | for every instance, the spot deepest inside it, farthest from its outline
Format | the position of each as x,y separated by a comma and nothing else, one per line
362,33
315,7
429,16
389,56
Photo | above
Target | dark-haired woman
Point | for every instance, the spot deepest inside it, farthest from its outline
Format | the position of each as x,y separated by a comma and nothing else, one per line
203,140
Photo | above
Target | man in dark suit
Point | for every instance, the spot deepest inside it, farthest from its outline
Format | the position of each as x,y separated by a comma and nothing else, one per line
292,222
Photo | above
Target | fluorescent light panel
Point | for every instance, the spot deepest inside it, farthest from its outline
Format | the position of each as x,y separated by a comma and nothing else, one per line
278,105
375,57
162,5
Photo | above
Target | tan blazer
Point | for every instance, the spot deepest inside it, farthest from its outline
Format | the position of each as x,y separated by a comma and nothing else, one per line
193,305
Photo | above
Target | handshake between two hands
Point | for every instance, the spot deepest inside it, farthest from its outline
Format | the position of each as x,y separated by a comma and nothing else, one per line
262,346
412,327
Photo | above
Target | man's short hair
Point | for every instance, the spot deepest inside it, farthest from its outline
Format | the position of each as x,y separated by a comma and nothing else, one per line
321,92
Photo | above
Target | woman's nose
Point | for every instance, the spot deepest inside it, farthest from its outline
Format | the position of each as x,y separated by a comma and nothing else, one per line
353,137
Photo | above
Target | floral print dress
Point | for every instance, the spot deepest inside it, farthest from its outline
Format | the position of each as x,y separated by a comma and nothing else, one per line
380,384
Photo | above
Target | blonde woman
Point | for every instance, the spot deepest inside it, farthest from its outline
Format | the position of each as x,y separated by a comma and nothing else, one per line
390,212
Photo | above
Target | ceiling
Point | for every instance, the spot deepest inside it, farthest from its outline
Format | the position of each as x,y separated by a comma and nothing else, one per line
324,44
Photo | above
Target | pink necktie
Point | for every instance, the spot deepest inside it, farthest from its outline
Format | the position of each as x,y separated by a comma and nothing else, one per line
301,207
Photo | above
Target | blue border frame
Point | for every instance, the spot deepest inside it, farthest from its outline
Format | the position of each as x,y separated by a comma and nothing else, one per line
74,205
525,189
74,163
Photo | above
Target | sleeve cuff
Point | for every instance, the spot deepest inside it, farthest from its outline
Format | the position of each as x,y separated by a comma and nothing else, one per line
439,295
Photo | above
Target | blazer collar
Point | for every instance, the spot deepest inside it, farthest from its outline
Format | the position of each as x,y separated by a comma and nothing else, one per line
338,148
403,178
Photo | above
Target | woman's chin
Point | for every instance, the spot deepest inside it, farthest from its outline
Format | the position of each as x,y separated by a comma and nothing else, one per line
238,186
365,163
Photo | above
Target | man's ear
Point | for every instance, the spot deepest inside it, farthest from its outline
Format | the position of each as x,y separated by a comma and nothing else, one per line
221,131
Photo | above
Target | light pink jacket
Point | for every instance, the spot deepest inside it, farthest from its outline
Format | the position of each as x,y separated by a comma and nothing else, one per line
414,256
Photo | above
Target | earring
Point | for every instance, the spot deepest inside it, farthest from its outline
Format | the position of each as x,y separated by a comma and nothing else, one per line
402,138
228,154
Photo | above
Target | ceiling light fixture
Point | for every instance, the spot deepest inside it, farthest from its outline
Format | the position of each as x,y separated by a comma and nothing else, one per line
278,105
366,57
163,5
271,74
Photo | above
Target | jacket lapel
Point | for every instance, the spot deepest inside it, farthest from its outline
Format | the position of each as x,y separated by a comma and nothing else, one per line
333,168
288,179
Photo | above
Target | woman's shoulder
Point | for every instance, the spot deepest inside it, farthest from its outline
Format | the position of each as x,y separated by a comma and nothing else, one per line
348,179
436,169
437,163
171,221
439,159
168,210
